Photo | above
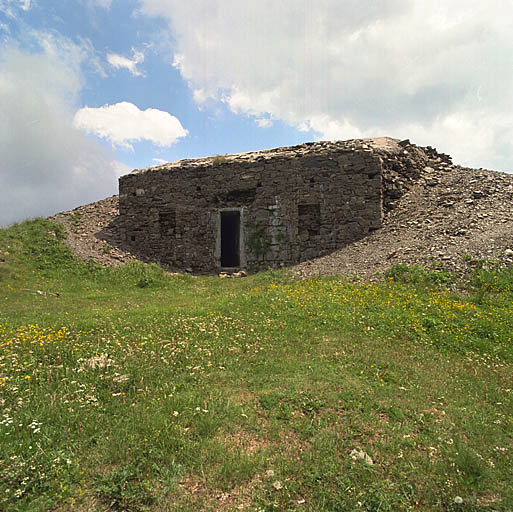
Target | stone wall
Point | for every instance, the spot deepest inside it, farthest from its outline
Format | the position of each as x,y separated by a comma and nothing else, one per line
294,204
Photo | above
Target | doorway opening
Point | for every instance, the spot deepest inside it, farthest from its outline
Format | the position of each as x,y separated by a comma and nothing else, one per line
230,238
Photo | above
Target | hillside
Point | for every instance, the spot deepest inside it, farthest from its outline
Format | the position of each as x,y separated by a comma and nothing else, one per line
130,388
437,214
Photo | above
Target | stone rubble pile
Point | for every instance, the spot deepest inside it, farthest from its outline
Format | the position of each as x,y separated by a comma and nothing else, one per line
440,215
93,234
437,214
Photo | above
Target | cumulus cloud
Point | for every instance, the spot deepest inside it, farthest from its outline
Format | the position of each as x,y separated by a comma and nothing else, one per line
124,122
435,71
118,61
47,165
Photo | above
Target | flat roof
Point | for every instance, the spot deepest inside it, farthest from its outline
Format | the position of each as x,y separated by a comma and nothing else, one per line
379,144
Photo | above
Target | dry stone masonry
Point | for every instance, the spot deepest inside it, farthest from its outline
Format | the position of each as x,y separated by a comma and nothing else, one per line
435,213
253,210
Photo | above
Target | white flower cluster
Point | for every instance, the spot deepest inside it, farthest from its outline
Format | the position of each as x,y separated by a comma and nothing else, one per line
35,426
7,420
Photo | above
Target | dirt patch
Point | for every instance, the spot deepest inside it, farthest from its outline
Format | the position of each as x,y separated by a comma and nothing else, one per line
244,441
238,498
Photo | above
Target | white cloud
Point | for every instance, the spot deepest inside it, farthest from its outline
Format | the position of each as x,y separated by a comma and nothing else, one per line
436,70
264,122
9,7
47,165
118,61
159,161
123,123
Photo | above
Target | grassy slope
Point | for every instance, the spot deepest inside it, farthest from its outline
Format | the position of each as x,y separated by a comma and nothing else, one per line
134,390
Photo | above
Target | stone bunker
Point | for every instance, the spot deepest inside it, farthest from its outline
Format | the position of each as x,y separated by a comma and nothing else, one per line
253,210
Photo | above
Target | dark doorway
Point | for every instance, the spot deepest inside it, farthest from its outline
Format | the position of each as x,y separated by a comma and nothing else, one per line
230,237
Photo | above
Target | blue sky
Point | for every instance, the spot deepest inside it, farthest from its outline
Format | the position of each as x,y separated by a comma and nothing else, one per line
90,89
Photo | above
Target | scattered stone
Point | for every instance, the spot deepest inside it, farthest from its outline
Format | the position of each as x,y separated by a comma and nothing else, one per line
360,454
42,293
240,273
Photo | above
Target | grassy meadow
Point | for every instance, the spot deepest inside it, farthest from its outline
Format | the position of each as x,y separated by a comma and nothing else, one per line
130,389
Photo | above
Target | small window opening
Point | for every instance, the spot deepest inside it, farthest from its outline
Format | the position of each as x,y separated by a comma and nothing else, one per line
230,238
132,238
167,221
309,218
241,196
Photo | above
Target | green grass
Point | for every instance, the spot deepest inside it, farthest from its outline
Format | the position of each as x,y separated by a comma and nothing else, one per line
131,389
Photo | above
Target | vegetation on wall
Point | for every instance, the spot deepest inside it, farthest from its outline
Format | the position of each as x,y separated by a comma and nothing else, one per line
257,242
219,159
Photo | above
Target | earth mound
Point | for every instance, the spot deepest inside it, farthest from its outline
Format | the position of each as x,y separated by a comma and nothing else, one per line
436,214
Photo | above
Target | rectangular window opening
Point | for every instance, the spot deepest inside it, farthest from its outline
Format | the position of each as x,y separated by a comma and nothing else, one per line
309,219
167,221
230,238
